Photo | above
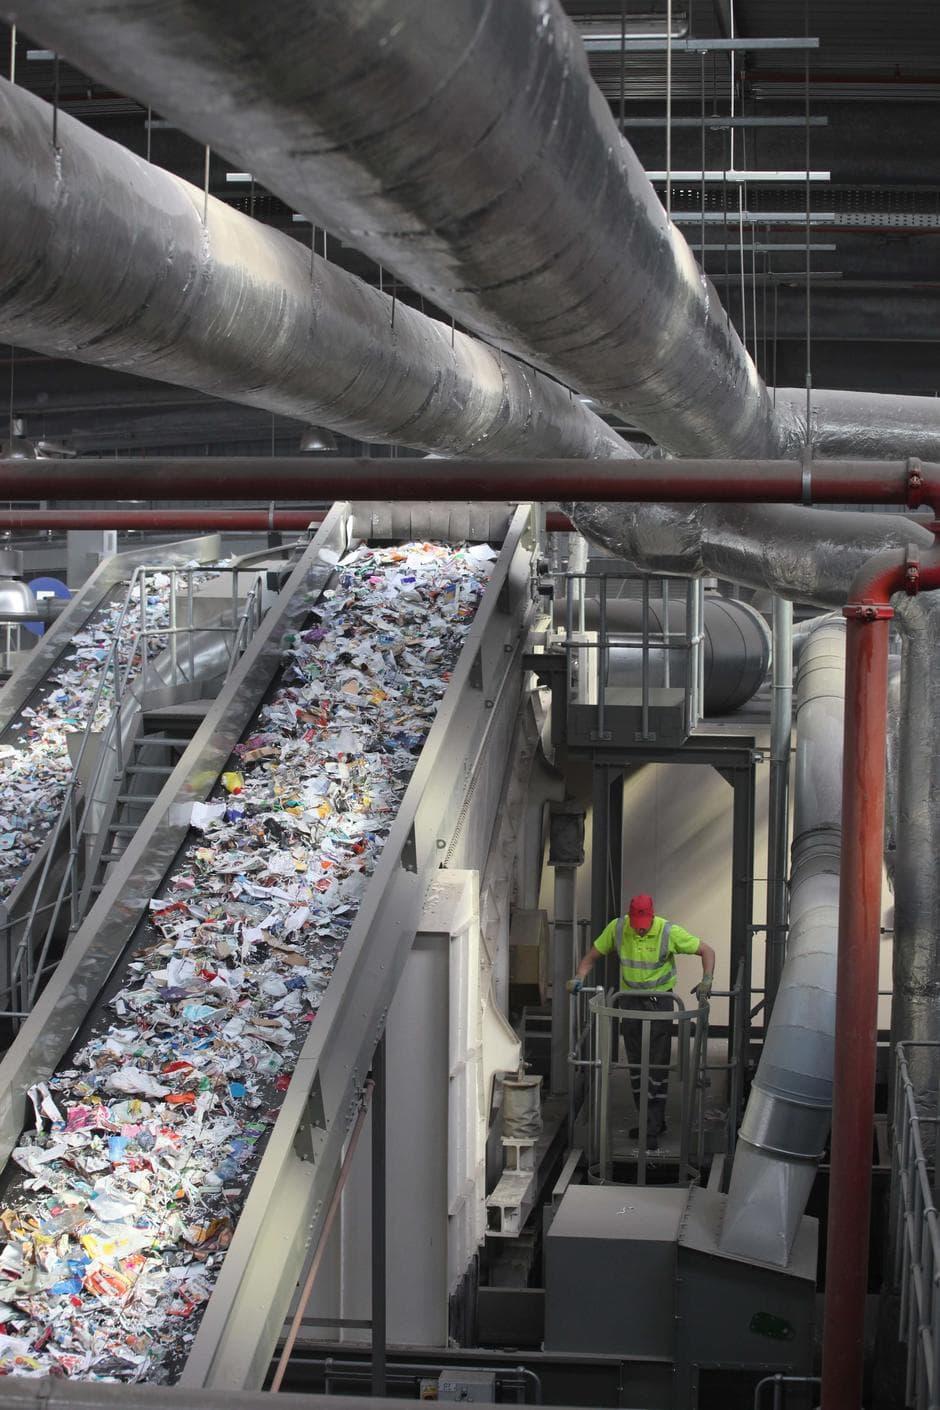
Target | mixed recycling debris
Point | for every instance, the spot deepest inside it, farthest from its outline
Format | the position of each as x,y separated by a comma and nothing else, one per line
34,759
145,1141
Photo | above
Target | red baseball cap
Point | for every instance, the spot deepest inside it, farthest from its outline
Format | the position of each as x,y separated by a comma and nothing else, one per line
641,910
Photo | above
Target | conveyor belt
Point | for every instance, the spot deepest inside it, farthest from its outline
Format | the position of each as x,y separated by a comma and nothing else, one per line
281,1205
33,683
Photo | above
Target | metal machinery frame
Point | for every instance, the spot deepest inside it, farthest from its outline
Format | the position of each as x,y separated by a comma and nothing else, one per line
277,1236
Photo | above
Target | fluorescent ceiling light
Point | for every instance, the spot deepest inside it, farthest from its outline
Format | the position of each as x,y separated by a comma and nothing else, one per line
155,124
651,25
762,249
752,217
300,219
42,54
588,401
781,178
239,176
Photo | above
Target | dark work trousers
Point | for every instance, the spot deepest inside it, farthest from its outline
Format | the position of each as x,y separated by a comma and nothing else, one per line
660,1055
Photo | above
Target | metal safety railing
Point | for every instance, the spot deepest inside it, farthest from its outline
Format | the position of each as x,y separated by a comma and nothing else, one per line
147,629
594,1052
917,1234
776,1392
587,1058
668,658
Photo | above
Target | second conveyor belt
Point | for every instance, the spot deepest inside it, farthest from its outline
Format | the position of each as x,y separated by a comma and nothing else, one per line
248,961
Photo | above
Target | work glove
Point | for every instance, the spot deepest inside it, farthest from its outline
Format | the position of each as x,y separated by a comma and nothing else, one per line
703,989
574,986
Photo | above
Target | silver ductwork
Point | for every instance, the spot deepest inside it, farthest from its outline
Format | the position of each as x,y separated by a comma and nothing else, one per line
110,260
513,203
915,1015
787,1119
466,147
806,555
879,425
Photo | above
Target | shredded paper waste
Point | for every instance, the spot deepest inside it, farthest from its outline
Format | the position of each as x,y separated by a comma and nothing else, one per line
34,759
130,1183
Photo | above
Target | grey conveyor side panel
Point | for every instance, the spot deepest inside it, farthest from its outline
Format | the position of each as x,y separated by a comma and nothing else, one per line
119,568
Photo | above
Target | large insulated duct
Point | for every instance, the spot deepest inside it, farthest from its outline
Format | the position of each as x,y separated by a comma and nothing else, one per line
787,1119
110,260
915,1014
464,146
846,424
806,555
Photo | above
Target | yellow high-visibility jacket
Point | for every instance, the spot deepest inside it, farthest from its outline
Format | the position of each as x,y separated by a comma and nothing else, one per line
647,961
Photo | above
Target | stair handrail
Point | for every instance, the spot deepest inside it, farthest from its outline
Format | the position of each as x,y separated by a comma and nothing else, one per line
242,630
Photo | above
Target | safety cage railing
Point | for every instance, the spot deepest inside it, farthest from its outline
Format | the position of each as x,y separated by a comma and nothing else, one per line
148,632
651,675
914,1219
593,1057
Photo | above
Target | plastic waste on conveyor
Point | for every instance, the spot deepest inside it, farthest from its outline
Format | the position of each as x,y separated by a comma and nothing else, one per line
121,1200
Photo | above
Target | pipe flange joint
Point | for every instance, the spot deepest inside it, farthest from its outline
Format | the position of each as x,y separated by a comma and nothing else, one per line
917,493
868,611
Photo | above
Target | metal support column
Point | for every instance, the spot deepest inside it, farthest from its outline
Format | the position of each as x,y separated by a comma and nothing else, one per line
379,1285
606,856
742,780
778,808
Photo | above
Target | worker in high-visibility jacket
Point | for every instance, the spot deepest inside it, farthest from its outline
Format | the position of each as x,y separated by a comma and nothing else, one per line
647,945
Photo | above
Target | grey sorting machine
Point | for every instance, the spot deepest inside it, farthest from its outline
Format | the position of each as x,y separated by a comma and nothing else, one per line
282,1217
636,1272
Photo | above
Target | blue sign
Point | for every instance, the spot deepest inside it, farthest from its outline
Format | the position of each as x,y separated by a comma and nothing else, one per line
44,588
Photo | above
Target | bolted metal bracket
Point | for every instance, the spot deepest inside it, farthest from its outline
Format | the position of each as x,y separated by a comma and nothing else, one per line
311,1131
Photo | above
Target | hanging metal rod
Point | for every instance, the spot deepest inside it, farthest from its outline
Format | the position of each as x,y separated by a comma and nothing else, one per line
229,478
607,44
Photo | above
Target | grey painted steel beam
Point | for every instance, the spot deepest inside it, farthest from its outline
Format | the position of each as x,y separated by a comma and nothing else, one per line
740,45
723,123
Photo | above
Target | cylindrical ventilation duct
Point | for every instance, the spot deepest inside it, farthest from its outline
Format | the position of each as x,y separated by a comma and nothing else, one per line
787,1119
915,1015
110,260
466,147
737,645
806,555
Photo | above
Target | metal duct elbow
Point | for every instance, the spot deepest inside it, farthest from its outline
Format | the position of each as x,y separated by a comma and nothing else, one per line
807,555
466,147
879,425
788,1114
110,260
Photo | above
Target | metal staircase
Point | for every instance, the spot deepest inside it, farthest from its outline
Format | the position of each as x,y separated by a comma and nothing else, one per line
160,677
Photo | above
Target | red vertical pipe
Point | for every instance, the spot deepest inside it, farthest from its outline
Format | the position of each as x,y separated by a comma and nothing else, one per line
863,797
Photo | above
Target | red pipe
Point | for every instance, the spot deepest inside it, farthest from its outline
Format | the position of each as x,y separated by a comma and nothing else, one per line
247,520
863,795
908,482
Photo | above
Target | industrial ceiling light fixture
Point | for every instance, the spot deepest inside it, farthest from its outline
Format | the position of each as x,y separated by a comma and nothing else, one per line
650,24
317,440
